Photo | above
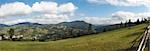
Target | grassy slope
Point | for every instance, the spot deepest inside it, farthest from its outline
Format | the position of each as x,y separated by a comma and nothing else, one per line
115,40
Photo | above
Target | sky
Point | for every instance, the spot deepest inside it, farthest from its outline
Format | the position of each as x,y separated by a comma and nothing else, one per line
56,11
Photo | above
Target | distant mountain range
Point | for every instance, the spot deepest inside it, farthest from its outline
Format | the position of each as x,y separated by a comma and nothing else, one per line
73,24
82,25
3,25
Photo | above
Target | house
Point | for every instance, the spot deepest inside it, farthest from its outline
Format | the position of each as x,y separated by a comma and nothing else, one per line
6,37
1,37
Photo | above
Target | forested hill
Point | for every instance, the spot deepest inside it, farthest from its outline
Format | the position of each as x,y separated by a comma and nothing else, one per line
61,30
73,24
116,40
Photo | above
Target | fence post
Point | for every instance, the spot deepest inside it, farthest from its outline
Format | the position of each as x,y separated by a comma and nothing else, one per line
148,44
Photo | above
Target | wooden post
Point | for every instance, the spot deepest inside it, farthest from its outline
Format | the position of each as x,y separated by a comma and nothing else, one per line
148,44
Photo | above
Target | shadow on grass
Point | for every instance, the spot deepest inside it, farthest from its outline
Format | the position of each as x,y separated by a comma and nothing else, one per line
134,43
128,49
134,34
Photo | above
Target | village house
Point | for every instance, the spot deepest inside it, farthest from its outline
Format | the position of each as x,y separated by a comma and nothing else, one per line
1,37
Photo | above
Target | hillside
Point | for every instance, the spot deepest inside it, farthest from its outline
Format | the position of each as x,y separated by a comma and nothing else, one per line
116,40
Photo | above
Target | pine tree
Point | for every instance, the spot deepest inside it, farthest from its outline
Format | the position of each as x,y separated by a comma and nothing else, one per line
145,20
121,24
142,21
138,21
126,24
129,21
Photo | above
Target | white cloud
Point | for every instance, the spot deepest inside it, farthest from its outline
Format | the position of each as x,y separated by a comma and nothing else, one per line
98,20
65,8
97,1
19,8
50,19
117,17
122,2
121,15
42,19
10,22
48,12
45,7
13,9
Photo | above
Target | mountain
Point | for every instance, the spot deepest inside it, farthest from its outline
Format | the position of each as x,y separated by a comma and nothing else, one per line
76,24
27,24
3,25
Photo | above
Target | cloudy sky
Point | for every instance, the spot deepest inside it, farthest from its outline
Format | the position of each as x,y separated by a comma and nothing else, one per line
56,11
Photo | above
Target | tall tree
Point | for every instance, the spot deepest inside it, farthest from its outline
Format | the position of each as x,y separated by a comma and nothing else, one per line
90,28
142,21
121,24
129,21
104,29
145,20
126,24
138,21
11,33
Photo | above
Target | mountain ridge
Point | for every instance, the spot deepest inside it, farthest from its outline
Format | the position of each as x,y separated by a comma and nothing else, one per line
73,24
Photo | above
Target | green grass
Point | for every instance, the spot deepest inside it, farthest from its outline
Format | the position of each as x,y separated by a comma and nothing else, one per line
116,40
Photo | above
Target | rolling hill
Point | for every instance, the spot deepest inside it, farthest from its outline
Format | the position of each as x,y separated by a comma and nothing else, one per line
116,40
3,25
73,24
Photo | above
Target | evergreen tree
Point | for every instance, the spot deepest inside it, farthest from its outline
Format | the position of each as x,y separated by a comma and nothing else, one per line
89,28
11,32
104,30
138,21
142,21
145,20
129,21
126,24
121,24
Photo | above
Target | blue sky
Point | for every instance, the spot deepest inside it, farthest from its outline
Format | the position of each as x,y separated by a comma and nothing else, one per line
102,11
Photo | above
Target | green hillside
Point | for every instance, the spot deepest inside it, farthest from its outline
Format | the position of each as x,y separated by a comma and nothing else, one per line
116,40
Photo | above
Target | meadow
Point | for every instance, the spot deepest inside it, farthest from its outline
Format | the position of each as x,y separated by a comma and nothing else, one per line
116,40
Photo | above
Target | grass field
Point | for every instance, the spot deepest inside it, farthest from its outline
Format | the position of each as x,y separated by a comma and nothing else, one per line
116,40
